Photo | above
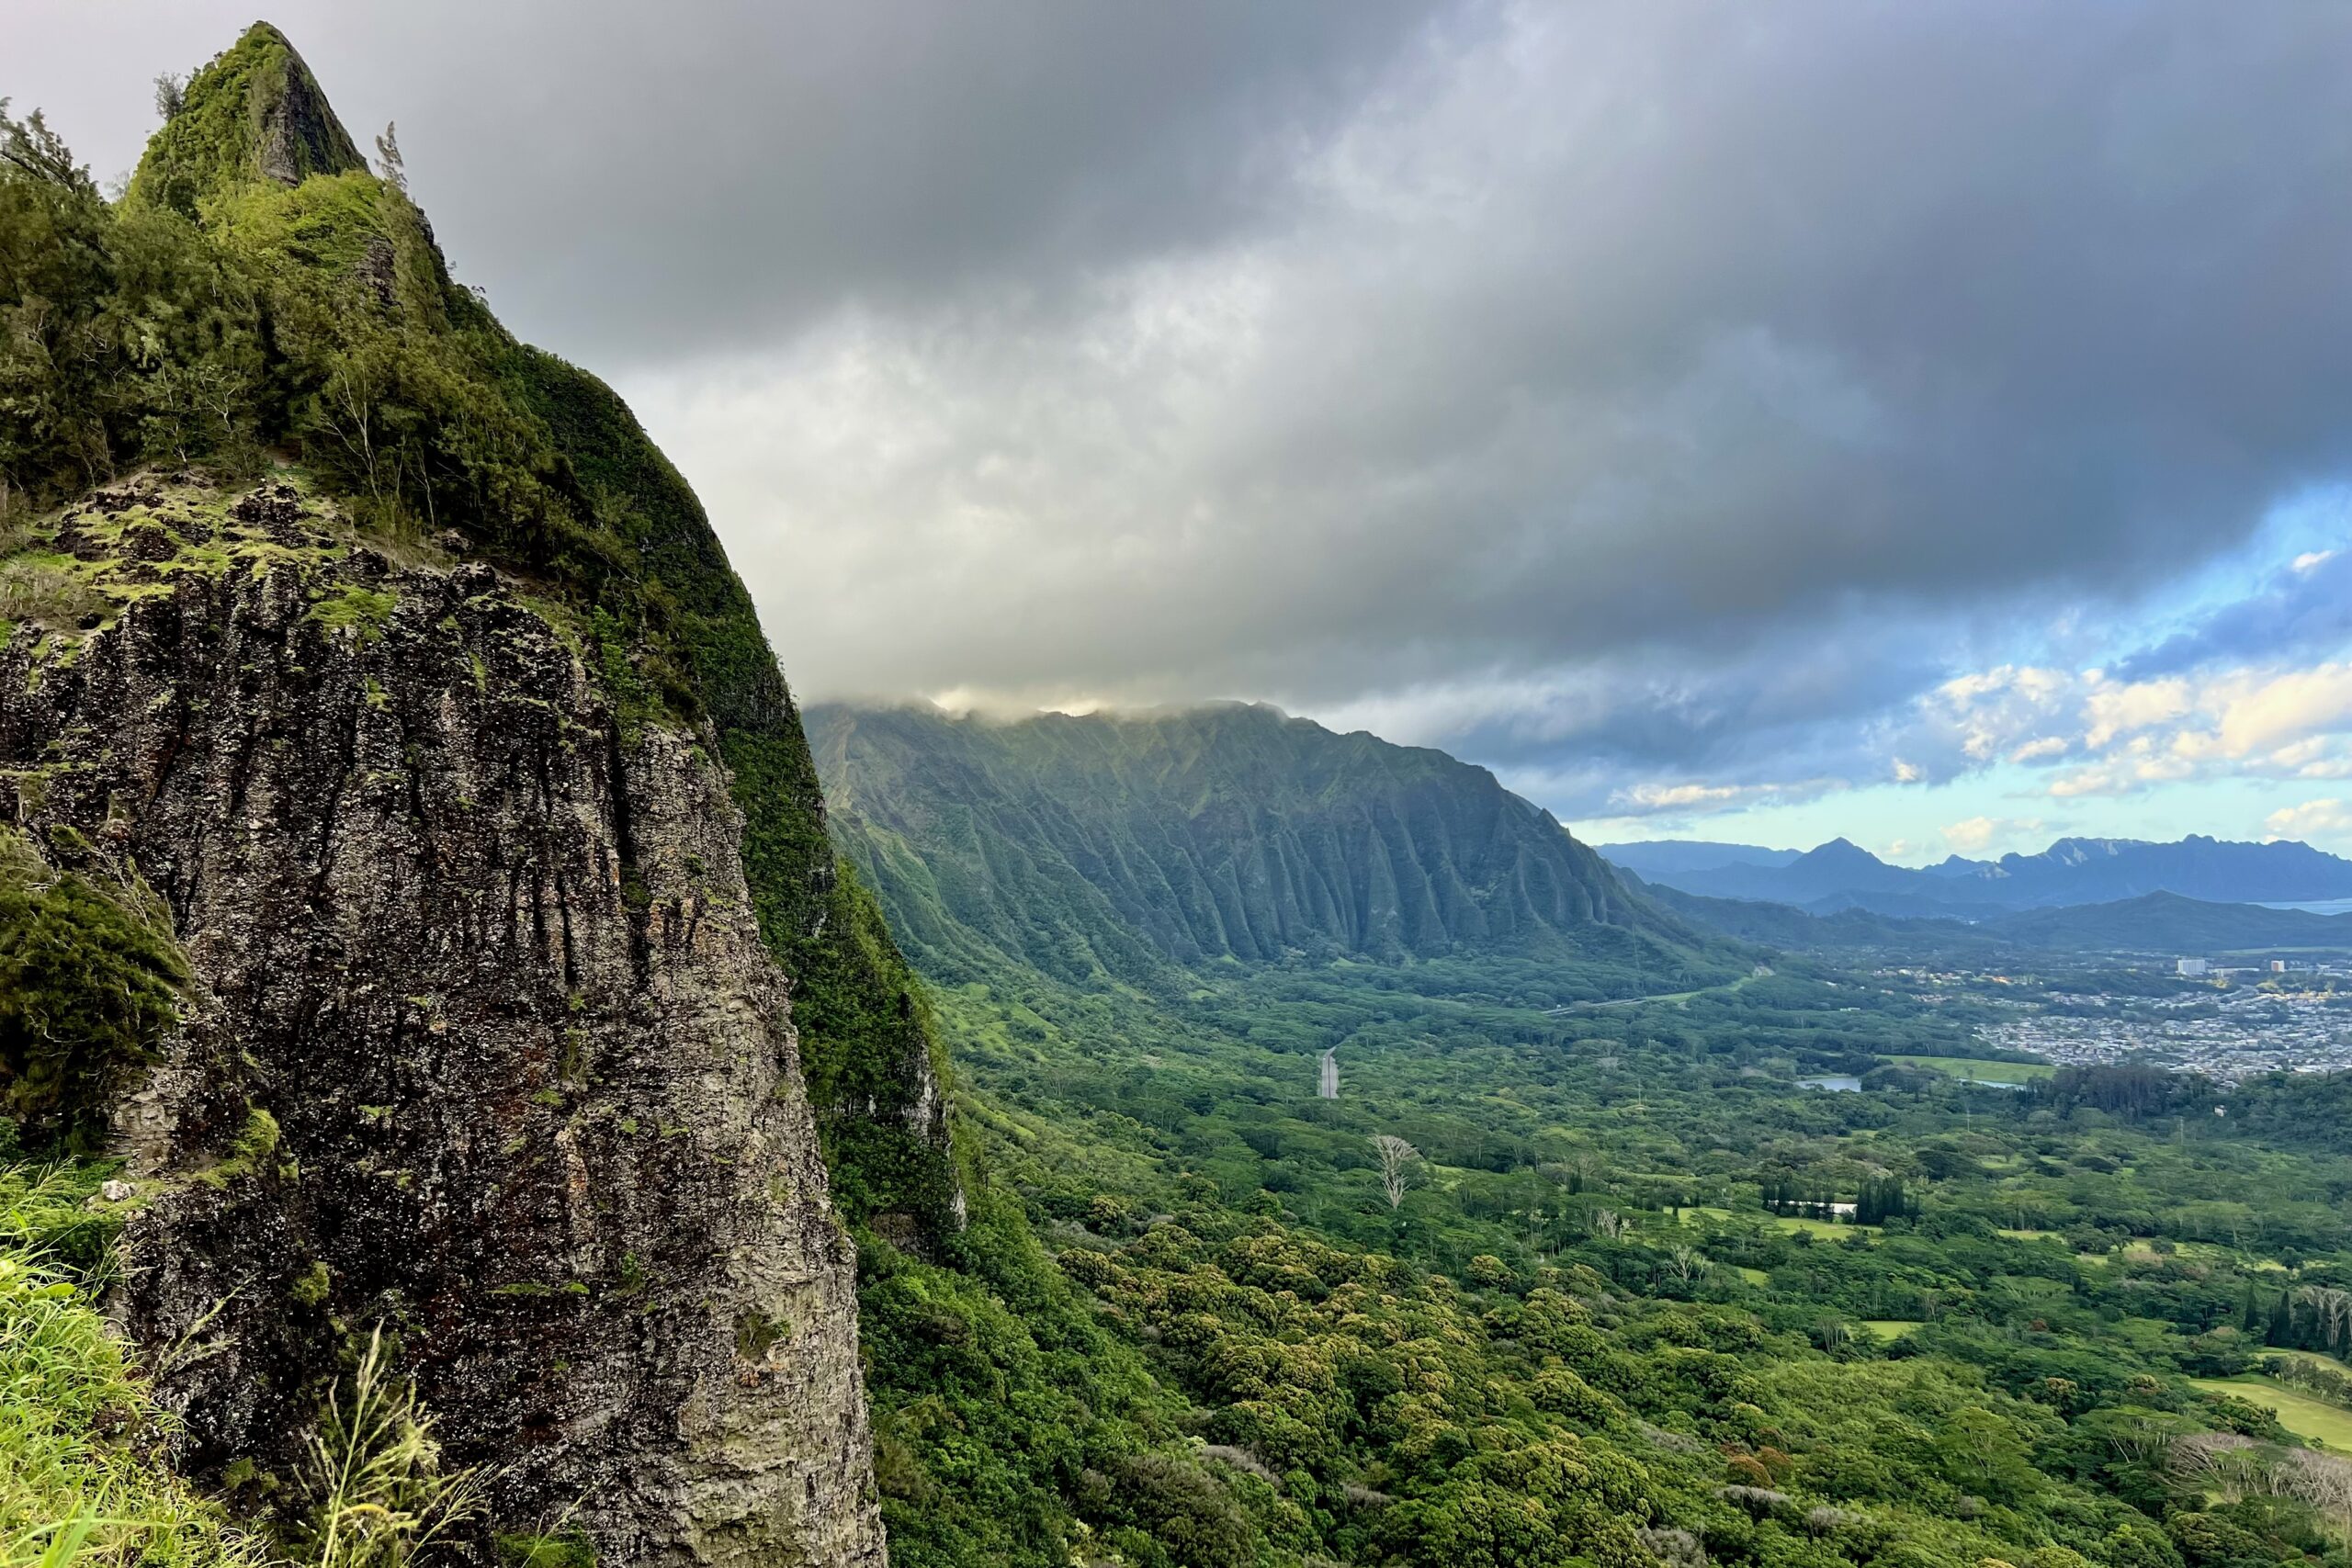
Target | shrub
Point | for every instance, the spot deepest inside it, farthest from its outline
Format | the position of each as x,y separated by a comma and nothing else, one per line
89,981
47,592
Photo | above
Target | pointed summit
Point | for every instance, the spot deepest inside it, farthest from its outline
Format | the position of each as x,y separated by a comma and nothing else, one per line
255,114
1838,851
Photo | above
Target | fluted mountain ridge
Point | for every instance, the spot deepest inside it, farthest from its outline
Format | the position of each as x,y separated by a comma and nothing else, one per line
1116,843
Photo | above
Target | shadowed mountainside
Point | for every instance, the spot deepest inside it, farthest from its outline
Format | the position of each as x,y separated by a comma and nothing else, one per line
1115,844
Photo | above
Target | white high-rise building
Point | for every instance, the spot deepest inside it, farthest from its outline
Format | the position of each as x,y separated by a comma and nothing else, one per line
2193,968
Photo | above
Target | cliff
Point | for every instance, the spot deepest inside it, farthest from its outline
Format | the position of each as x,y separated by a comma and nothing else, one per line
381,665
482,1043
1112,844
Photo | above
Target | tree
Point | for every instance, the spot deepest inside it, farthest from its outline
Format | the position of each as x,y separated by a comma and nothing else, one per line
1979,1449
1396,1157
171,94
389,163
2333,1308
29,150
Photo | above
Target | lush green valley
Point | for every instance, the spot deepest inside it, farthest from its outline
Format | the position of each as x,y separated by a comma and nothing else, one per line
1611,1315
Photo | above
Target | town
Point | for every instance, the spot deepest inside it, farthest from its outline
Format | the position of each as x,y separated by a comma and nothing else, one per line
2226,1034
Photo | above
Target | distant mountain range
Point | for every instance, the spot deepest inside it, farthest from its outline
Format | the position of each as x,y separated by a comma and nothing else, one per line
1116,844
1655,858
1842,876
2154,923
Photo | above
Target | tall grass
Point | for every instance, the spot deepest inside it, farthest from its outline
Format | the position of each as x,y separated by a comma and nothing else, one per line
382,1498
82,1477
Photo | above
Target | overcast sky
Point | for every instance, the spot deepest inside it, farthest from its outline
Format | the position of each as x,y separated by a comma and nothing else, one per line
1928,422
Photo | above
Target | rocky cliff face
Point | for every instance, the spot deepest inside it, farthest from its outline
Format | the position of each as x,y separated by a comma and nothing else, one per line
484,1046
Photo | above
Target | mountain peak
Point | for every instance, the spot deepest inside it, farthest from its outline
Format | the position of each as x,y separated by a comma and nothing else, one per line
255,114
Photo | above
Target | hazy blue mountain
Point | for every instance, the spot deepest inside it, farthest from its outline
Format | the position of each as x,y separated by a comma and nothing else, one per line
1828,871
2154,923
2167,922
2078,870
1839,875
1787,926
1651,858
1121,843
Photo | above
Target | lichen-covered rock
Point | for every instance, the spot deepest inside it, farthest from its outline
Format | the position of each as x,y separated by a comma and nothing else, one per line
484,1044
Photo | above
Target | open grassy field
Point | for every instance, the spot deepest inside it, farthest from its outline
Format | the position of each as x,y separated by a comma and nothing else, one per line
1826,1230
2300,1414
1886,1328
2202,1252
1982,1072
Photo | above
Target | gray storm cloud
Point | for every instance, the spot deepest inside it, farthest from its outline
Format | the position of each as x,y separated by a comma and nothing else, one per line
1592,330
1697,379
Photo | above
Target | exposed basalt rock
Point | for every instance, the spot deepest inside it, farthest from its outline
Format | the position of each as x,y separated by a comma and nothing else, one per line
484,1047
867,1045
296,133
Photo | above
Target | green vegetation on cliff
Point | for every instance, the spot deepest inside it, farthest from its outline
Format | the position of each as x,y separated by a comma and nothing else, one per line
259,291
260,300
256,114
89,981
867,1046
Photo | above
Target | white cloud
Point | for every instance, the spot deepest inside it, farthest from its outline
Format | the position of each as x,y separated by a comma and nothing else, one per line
2119,736
2258,714
1975,834
2089,781
2328,819
1970,834
2117,710
1652,802
1666,797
